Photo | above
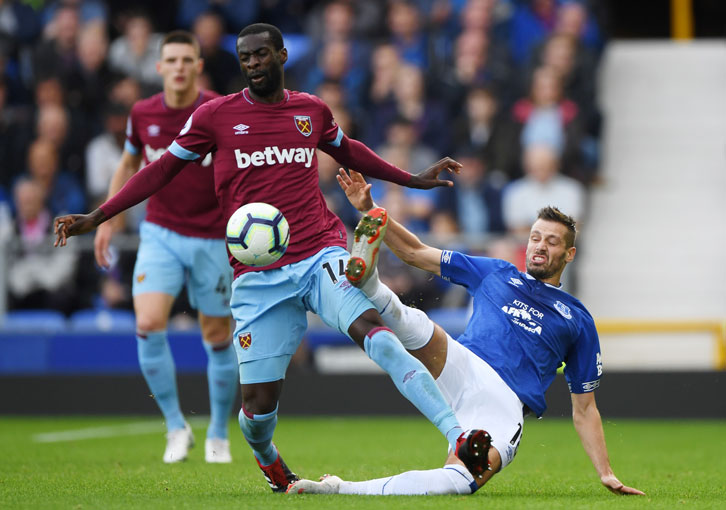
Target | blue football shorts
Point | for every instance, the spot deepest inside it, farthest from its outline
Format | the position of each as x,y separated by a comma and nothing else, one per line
166,261
269,308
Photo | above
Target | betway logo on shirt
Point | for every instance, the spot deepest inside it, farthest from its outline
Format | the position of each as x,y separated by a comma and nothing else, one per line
274,155
154,154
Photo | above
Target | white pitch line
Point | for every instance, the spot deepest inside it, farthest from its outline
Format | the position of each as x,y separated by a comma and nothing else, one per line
129,429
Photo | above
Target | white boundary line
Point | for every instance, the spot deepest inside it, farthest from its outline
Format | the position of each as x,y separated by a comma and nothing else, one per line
128,429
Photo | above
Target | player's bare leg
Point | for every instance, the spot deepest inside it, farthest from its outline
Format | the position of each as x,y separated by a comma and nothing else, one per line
257,419
222,377
157,364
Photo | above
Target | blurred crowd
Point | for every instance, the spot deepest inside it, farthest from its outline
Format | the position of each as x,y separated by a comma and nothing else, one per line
507,87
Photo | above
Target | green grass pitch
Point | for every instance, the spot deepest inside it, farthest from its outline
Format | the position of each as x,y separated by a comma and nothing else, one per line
53,463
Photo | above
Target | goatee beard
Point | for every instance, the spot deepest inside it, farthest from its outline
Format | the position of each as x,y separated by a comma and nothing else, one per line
270,85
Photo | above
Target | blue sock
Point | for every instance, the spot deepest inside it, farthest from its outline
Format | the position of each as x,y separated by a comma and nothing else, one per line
158,368
258,430
222,377
413,381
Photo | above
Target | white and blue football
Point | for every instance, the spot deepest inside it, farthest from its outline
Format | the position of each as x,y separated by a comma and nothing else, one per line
257,234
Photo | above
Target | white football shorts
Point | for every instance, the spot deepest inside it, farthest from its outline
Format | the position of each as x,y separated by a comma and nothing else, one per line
481,399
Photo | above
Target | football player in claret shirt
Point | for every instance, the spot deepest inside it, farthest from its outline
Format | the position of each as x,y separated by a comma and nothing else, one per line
523,326
181,243
264,140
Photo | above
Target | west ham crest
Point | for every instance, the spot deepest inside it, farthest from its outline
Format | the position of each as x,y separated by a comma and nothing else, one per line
245,340
304,124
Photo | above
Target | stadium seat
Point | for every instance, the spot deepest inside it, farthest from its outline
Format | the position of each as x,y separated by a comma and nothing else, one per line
33,321
93,320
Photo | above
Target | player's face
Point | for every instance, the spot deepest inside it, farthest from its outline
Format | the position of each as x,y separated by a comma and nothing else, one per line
261,64
179,66
547,252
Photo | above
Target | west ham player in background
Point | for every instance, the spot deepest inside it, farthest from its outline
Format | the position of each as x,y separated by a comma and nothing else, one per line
522,328
182,242
264,140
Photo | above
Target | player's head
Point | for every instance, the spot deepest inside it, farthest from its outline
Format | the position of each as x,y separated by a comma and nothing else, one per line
551,245
180,63
262,55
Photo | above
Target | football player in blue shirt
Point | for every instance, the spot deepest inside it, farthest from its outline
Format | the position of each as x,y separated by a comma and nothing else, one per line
522,328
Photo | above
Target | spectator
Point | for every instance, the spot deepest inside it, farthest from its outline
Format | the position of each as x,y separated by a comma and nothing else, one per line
532,21
136,52
405,23
104,151
220,65
384,66
545,117
238,13
410,101
542,185
475,199
38,275
479,128
56,54
61,190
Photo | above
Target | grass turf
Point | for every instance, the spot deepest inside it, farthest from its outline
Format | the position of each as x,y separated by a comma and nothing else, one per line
677,463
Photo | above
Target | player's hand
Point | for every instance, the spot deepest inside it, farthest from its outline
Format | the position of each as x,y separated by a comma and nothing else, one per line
356,189
101,242
429,178
616,486
75,224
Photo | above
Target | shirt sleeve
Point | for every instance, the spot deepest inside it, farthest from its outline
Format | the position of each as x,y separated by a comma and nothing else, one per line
468,271
196,138
133,142
583,363
332,133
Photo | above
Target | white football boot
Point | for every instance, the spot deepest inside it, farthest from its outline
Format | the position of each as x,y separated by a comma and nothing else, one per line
367,239
178,442
216,451
328,484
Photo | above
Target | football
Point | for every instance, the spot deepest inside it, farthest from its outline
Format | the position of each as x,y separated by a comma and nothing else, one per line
257,234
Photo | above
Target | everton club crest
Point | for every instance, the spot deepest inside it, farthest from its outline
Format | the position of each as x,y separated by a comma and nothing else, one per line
245,340
304,124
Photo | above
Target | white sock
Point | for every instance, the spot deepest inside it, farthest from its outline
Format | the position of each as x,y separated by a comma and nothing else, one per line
412,327
451,479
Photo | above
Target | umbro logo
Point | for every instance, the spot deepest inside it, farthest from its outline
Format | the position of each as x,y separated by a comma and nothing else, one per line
515,281
153,130
241,129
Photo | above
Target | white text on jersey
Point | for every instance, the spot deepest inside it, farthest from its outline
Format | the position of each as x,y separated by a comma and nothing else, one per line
274,154
154,154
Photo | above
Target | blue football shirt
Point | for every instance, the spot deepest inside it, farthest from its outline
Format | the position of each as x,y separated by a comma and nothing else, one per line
525,328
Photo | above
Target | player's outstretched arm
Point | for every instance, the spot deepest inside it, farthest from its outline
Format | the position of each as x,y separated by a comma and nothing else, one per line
401,241
127,167
588,424
429,178
75,224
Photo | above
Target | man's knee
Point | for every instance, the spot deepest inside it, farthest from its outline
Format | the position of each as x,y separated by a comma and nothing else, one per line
365,322
261,398
215,330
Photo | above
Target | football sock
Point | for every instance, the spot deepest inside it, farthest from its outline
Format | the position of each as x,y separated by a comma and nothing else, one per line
412,380
412,327
222,377
451,479
157,365
258,430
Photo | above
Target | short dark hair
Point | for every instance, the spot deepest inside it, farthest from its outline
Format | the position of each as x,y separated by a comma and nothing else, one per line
550,213
261,28
183,37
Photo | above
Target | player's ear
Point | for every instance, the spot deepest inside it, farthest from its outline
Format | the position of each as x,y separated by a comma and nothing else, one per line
570,254
158,67
200,65
283,55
